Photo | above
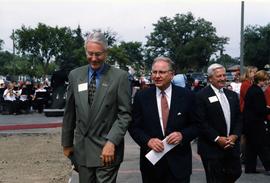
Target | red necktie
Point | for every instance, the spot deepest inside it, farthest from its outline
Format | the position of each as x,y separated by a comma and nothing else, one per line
164,109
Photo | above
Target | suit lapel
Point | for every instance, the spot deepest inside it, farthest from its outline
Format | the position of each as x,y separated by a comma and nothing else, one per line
154,112
82,79
99,95
218,105
101,91
173,106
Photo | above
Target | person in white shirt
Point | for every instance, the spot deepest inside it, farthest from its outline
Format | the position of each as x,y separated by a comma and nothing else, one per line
10,99
40,98
236,85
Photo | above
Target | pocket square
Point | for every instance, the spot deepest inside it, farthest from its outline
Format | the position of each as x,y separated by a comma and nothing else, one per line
178,114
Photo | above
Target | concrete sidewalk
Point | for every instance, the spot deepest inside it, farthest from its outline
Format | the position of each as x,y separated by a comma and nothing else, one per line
129,171
28,123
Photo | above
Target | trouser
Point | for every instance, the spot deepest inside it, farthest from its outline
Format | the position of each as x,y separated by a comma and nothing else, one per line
252,151
98,174
150,175
222,170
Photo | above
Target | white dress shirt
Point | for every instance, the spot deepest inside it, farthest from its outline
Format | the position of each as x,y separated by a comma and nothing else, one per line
224,105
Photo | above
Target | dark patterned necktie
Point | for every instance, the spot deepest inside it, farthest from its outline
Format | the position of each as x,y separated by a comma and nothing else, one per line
92,88
164,110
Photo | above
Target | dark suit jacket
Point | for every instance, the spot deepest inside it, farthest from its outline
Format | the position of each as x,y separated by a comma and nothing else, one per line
146,125
89,128
212,123
255,113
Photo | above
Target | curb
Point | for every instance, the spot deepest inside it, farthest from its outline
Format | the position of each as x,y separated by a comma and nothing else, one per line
30,126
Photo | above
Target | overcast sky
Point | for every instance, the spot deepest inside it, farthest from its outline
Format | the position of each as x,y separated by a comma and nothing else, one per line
131,19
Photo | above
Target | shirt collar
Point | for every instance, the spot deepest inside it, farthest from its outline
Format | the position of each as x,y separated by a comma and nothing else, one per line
215,89
167,91
98,72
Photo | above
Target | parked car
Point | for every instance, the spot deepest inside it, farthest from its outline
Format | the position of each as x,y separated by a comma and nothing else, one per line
197,75
229,77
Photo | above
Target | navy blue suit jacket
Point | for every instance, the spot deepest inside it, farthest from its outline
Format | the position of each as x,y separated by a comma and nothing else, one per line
146,125
212,123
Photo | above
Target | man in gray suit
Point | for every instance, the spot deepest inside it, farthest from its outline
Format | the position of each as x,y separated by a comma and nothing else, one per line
97,115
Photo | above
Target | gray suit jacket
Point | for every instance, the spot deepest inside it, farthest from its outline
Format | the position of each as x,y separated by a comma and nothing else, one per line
87,128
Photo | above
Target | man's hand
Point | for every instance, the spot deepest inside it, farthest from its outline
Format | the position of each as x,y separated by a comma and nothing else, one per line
174,138
222,142
156,144
231,141
68,151
108,154
227,142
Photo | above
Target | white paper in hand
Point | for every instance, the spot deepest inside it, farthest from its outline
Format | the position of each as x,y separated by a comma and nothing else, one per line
154,156
74,178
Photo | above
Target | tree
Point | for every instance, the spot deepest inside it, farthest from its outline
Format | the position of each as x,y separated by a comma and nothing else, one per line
1,44
257,47
134,51
5,60
72,53
118,56
127,53
111,36
46,44
40,43
187,41
227,61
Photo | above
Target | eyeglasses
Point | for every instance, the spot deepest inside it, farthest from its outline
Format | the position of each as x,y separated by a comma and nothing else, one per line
161,73
96,54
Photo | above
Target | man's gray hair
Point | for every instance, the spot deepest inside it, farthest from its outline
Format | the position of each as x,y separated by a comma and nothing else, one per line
165,59
97,37
213,67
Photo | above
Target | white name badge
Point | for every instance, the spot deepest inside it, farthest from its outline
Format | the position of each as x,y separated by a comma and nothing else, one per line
82,87
213,99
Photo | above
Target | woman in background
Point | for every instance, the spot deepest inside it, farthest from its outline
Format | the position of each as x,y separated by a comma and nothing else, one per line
256,130
247,80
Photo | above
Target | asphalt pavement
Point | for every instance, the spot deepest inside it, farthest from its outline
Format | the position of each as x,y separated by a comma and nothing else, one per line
129,171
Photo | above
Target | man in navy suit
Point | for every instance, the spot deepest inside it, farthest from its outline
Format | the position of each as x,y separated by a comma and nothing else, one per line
148,128
219,119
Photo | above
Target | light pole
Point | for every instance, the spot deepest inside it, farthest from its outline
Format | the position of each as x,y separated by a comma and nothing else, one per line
242,39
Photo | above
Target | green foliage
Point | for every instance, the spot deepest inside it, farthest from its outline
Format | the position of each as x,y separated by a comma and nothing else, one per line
187,41
227,61
111,36
134,51
71,53
5,61
117,55
46,44
1,44
15,65
127,53
257,46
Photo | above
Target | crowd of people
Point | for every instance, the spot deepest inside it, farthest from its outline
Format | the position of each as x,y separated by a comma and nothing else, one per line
221,115
24,97
229,120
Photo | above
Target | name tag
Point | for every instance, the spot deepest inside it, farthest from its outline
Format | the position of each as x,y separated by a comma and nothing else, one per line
82,87
213,99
